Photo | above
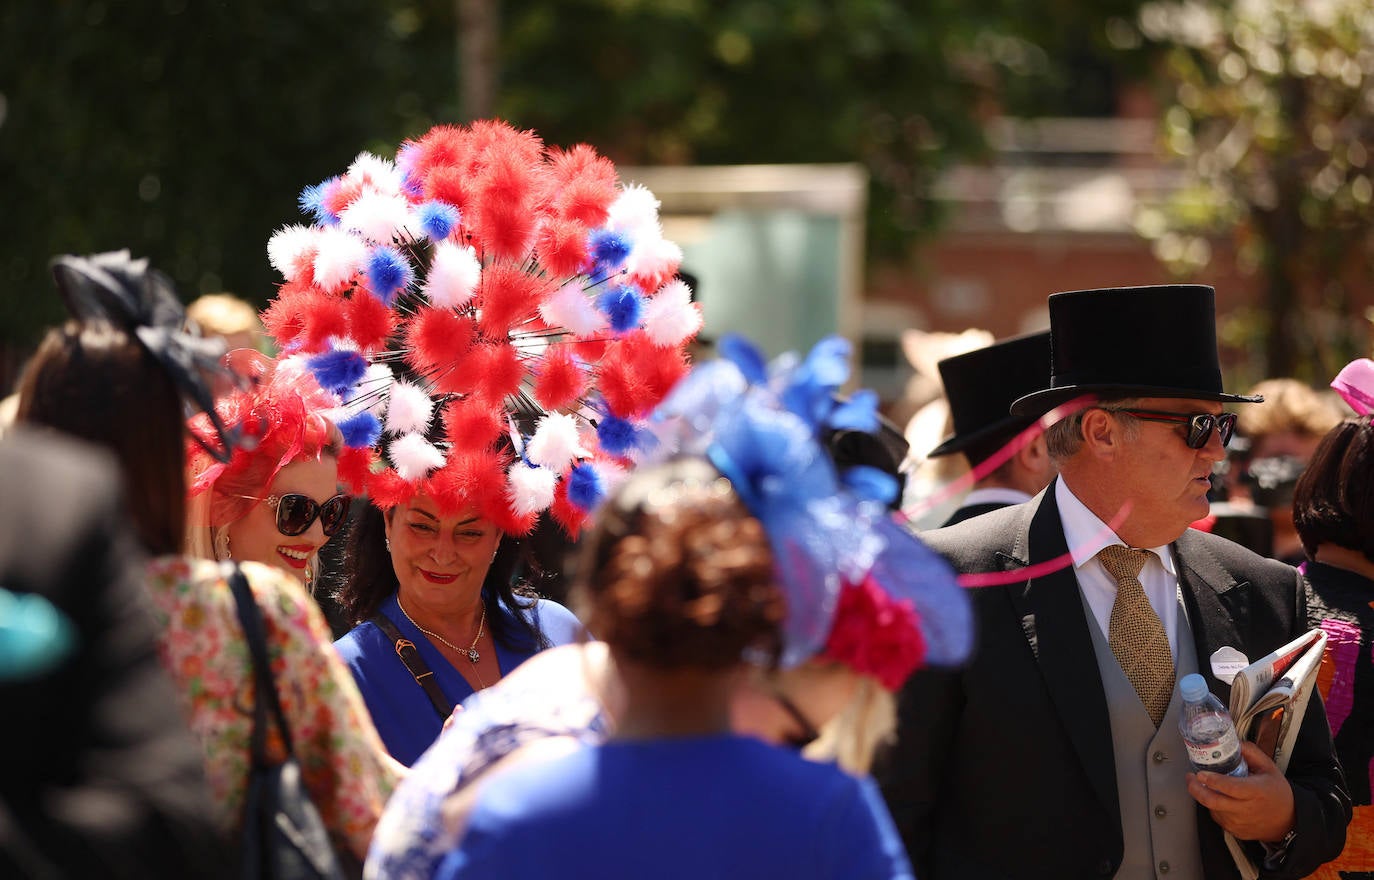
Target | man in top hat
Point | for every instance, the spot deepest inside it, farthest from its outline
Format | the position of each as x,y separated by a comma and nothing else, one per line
1055,753
981,386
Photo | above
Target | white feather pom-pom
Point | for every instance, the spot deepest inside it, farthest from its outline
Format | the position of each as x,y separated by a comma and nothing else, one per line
409,409
373,391
531,489
571,308
341,255
670,316
555,443
414,457
375,173
378,217
634,211
453,275
286,246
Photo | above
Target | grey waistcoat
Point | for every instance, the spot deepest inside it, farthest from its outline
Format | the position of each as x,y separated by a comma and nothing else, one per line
1158,816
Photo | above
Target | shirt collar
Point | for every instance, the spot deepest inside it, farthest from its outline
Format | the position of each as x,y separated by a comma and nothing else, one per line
1086,534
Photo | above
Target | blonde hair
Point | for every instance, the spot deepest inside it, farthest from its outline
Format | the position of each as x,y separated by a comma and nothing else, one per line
1289,407
853,736
223,314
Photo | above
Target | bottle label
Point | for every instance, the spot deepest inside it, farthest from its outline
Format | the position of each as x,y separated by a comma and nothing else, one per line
1211,754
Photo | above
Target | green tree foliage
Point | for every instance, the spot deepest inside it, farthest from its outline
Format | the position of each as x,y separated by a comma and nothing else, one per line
1272,113
185,130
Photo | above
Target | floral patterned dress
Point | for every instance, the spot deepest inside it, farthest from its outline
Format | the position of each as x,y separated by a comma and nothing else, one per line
344,764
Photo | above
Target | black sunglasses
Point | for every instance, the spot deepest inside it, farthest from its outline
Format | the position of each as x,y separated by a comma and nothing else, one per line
806,731
295,513
1200,425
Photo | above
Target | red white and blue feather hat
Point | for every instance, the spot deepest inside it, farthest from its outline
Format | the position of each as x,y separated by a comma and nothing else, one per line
500,317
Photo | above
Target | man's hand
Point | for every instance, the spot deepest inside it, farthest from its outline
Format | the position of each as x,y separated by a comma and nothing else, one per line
1255,807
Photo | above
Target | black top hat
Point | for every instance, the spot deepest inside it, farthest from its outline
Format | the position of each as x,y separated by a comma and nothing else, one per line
1158,341
981,384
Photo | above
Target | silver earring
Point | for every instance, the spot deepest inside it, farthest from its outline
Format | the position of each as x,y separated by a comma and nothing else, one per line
388,545
222,544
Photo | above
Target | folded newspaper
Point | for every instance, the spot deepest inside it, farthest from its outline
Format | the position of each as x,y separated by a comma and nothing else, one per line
1268,701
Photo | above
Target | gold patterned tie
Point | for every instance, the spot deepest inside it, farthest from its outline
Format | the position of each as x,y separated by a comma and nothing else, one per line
1135,634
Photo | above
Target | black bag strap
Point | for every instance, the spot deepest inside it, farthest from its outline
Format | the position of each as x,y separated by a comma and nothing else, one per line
410,656
265,692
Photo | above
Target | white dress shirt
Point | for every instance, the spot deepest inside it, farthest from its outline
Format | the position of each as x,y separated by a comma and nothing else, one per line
994,495
1086,536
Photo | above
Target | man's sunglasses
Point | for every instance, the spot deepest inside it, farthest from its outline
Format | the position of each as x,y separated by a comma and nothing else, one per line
806,731
1200,425
295,513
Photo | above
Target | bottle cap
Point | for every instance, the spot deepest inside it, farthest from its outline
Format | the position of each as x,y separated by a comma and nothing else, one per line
1193,687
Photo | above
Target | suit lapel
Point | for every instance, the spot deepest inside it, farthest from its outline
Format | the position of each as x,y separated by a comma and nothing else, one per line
1056,628
1218,605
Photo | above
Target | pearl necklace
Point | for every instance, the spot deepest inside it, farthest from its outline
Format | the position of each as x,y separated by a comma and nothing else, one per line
470,653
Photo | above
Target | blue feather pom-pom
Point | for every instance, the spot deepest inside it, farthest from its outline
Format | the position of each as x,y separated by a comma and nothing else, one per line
437,220
623,306
338,370
360,431
585,486
617,435
388,273
311,202
609,249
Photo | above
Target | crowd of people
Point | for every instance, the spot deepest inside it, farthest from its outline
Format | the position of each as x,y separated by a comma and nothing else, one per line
761,669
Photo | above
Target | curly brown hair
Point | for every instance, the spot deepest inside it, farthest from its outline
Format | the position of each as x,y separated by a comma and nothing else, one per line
678,574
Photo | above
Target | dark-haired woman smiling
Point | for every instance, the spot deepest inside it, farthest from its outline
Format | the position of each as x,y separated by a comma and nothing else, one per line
443,583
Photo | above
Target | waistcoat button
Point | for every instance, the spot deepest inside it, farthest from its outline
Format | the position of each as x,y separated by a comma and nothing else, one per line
1163,867
1159,757
1161,812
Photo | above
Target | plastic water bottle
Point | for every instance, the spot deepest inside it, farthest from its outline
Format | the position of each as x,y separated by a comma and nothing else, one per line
1207,730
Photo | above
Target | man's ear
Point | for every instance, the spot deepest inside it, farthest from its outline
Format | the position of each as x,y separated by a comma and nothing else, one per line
1101,433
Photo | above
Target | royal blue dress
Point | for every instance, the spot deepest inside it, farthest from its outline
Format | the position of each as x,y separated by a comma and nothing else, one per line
404,716
717,806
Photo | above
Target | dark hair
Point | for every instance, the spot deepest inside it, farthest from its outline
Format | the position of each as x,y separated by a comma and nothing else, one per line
1333,502
369,579
678,574
94,381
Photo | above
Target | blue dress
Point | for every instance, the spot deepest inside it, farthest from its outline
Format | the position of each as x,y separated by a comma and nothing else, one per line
404,716
718,806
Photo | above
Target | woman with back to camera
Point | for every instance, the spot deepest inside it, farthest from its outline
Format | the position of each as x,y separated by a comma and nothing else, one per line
1333,510
113,377
834,695
840,662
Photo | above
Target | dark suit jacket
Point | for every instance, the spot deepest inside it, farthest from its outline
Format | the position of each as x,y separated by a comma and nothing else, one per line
99,775
1005,769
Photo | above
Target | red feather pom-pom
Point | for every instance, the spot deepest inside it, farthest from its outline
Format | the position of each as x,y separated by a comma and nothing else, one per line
437,339
447,184
505,229
370,323
509,297
442,146
636,375
322,318
590,350
565,513
562,248
560,380
282,319
387,489
355,466
472,480
473,422
495,368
